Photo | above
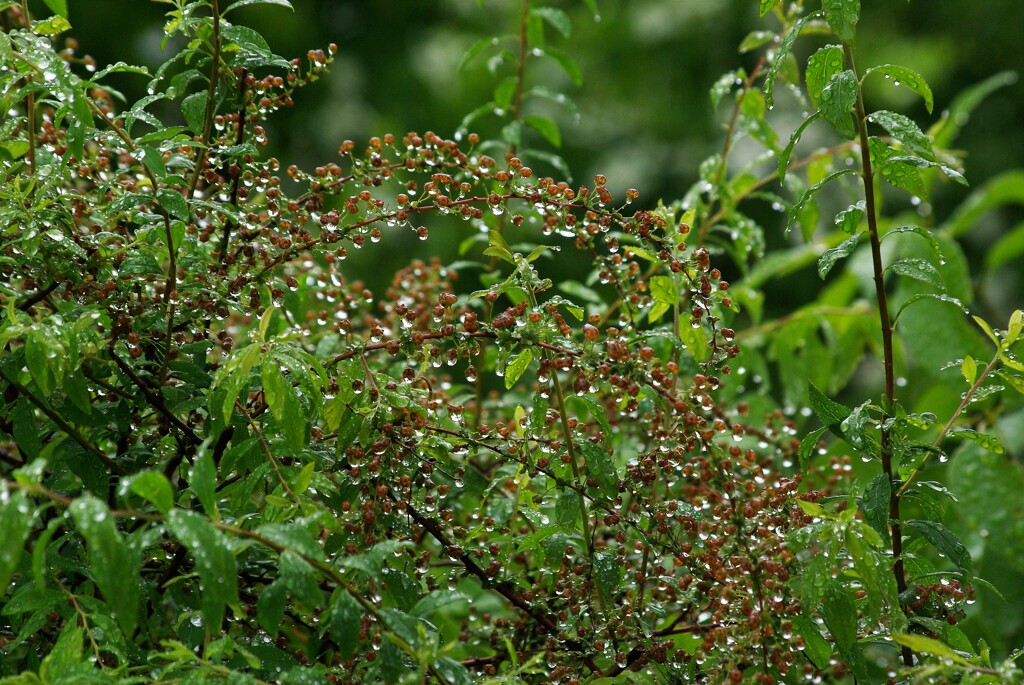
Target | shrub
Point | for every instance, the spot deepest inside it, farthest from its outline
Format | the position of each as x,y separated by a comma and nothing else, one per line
227,460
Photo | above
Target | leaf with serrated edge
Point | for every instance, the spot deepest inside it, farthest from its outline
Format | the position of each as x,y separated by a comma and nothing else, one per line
945,542
901,75
829,258
919,270
904,130
837,100
842,16
924,233
822,66
928,296
517,366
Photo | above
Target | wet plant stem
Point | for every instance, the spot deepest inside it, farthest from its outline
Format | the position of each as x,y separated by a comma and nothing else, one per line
885,443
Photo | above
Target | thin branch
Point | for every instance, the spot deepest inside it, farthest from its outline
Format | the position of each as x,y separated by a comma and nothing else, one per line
72,432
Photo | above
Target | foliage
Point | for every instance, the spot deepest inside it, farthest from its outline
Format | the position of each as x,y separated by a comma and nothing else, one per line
226,459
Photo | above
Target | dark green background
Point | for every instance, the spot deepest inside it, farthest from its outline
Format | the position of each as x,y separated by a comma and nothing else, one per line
645,118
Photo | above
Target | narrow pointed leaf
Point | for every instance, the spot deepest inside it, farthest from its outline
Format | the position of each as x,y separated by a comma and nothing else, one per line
785,46
793,140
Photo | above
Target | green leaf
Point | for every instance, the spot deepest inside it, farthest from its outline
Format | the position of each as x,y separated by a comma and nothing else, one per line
155,487
1015,327
58,7
51,27
817,648
840,615
293,536
284,404
244,3
25,430
695,341
472,52
945,542
193,108
842,16
497,247
17,517
42,356
821,67
785,46
754,40
924,233
905,131
724,85
60,664
814,509
203,482
555,17
989,442
173,202
152,159
437,600
597,412
918,269
929,296
837,100
601,467
795,210
876,504
346,615
270,607
928,645
86,466
903,171
546,127
808,446
664,290
765,6
517,366
830,413
901,75
115,568
787,153
453,671
505,92
299,578
829,258
849,219
567,64
607,575
969,368
214,559
567,510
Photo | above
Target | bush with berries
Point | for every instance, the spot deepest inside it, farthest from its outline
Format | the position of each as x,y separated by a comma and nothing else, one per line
554,456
